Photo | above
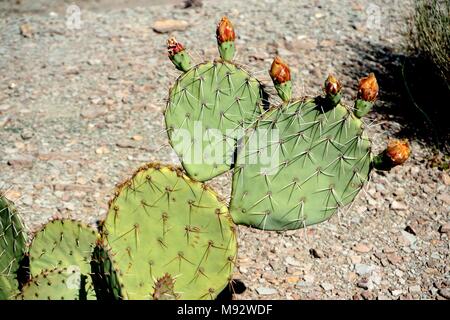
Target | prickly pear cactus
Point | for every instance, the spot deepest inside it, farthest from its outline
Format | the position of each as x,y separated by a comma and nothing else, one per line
305,159
63,244
57,284
162,222
12,248
209,106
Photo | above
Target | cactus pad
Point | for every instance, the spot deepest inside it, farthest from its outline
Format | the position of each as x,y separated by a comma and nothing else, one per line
208,108
12,248
62,243
320,160
162,222
57,284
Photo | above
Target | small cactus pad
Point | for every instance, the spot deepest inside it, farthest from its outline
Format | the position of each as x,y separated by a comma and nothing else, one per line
57,284
209,107
12,248
162,222
62,243
319,160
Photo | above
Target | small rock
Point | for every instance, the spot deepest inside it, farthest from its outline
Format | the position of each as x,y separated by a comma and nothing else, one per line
92,113
266,291
327,43
125,143
445,228
393,258
363,269
445,178
316,253
445,292
327,286
137,137
362,248
367,295
4,121
301,44
410,238
397,205
26,30
397,292
27,134
169,25
355,259
4,107
415,289
102,150
192,4
23,161
365,283
292,262
444,198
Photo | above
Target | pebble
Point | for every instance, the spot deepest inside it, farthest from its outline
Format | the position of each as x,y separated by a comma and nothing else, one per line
27,134
362,248
292,262
445,292
93,112
4,107
316,253
415,289
445,228
266,291
410,238
26,30
363,269
444,198
327,286
400,206
22,161
169,25
394,258
397,292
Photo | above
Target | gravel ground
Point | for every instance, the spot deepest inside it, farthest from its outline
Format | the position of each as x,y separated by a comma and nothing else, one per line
80,109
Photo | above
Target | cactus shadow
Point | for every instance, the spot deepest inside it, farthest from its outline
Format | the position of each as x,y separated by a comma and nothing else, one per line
411,93
235,287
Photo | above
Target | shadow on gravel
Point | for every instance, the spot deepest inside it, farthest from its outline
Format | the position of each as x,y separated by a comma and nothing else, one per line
416,97
236,287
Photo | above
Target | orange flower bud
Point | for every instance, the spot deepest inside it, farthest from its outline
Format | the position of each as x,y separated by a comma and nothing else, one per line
368,88
398,151
225,31
279,72
174,47
332,85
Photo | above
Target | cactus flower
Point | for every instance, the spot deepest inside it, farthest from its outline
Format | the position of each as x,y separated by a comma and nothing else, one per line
225,31
368,88
332,85
279,71
174,47
398,151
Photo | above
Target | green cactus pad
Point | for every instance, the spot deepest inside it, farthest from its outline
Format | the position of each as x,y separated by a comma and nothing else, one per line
62,244
12,248
57,284
162,222
323,161
208,108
